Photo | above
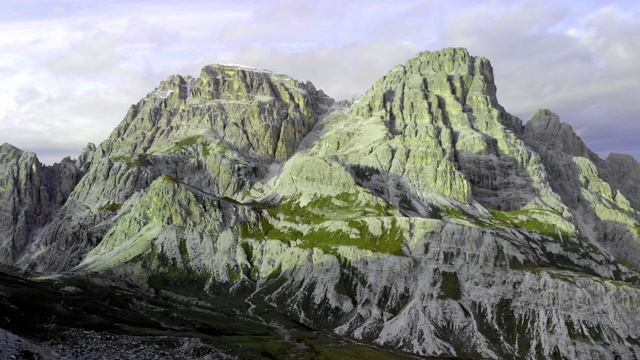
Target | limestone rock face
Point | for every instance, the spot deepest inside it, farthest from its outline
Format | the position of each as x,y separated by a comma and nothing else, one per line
595,190
246,109
545,127
441,130
219,132
22,200
29,193
621,171
422,216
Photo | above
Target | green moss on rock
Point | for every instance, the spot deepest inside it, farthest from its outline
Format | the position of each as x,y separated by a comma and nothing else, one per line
135,160
113,207
542,221
355,232
188,141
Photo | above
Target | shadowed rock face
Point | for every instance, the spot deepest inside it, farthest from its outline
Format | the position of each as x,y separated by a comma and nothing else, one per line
545,127
601,194
422,216
30,193
622,172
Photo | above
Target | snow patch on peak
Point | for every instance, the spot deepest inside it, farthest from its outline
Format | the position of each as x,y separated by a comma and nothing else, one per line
246,67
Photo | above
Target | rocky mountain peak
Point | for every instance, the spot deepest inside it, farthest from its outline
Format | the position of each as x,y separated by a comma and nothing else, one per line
220,132
423,210
7,146
22,200
241,83
258,111
431,79
622,171
622,159
451,61
84,159
545,127
7,150
14,160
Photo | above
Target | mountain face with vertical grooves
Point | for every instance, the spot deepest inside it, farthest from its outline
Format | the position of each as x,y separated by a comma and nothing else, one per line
422,217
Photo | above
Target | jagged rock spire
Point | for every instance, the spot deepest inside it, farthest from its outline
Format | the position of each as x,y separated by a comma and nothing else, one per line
545,127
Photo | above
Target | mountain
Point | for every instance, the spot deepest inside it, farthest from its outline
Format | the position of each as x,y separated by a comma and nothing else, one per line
422,217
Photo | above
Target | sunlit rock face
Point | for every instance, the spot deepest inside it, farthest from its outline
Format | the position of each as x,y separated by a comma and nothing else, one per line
422,216
219,133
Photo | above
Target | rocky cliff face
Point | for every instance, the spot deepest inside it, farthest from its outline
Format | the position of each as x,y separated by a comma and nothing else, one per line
593,189
220,133
621,171
30,194
422,216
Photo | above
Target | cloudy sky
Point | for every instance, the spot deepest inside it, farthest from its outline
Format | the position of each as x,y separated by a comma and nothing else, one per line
70,69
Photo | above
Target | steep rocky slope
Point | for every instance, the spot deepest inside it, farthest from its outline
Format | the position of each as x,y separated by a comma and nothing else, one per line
422,216
602,195
220,132
30,195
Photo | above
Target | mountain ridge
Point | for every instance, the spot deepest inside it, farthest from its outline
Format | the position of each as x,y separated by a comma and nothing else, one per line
422,216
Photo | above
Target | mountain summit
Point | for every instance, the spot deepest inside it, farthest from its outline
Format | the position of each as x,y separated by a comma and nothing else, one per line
421,217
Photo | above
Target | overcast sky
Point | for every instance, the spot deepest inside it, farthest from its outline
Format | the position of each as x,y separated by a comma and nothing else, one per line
70,69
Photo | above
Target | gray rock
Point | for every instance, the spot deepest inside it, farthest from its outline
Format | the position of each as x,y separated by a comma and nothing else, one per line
30,194
622,172
546,128
422,216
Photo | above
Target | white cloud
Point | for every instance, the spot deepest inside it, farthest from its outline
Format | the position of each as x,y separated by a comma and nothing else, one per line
70,69
341,72
582,66
70,80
